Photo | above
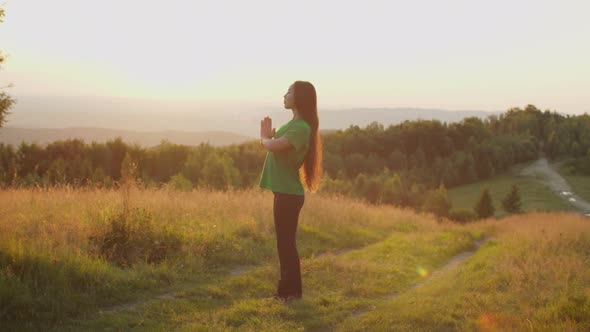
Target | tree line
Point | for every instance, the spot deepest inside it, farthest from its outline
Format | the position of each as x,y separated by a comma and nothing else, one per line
402,164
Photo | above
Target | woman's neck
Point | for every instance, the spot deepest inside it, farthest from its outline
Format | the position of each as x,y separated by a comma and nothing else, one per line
296,114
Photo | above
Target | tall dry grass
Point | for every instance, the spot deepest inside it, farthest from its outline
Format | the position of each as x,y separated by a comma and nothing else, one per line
64,218
541,247
545,267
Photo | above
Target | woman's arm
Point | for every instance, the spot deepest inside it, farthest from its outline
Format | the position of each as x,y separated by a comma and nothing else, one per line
274,145
266,140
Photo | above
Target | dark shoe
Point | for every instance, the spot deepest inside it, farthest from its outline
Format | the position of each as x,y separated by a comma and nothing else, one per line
287,297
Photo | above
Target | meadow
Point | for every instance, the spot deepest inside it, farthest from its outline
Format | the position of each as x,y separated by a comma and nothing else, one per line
73,259
535,194
580,183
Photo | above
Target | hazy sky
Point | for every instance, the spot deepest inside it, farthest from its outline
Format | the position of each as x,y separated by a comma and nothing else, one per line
477,55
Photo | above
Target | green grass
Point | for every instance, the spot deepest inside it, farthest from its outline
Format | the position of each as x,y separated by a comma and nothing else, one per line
580,184
534,194
334,287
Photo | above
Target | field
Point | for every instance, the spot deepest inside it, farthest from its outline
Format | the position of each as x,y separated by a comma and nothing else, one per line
580,183
206,260
535,195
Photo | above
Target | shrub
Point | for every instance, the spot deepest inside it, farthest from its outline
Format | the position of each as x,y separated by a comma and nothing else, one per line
462,215
437,201
132,237
179,182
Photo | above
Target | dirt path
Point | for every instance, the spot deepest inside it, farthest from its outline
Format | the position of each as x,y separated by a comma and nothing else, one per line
452,263
234,272
242,269
544,172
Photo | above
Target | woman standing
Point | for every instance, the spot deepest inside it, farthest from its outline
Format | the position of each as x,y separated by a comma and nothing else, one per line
293,161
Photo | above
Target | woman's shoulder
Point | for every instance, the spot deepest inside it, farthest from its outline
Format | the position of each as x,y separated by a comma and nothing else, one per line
302,123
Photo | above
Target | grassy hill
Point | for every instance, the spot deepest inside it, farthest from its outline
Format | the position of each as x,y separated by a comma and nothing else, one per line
535,195
206,260
580,183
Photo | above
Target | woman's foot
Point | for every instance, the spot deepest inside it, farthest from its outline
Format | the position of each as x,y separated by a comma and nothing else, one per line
287,297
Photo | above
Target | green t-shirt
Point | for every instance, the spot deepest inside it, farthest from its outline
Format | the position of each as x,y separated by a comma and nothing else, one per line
280,172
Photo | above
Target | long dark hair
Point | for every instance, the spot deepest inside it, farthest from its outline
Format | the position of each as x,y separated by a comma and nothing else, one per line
306,105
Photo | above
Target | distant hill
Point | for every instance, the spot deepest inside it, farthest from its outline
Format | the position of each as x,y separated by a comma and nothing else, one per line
338,119
15,136
189,117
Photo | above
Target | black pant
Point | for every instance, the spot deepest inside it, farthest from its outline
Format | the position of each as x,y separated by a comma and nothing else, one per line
286,214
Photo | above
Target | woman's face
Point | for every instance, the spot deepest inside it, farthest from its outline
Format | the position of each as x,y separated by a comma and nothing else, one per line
289,98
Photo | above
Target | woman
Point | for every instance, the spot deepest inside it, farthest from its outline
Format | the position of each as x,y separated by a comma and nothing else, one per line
293,162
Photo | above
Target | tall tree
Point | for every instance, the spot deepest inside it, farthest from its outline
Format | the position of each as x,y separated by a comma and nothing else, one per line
484,207
511,202
5,100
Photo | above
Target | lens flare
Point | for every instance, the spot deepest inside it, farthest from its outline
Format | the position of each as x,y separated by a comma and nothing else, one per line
423,272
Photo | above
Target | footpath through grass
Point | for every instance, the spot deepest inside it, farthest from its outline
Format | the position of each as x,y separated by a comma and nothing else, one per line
334,288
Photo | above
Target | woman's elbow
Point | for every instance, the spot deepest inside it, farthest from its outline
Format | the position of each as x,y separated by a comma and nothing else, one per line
269,146
276,146
273,148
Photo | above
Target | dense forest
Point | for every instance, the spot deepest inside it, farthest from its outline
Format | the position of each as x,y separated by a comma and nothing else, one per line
398,165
